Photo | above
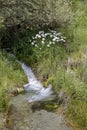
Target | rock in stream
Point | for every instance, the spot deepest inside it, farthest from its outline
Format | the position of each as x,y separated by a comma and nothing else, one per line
21,117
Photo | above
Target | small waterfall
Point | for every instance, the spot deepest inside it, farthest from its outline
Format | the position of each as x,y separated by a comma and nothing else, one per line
33,85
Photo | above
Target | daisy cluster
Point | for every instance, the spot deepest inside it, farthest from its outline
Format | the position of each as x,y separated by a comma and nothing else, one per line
46,39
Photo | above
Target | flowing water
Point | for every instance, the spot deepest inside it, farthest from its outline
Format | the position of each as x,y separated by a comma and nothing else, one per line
35,87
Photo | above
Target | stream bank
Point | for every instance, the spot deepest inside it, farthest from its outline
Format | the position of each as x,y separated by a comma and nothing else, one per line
21,114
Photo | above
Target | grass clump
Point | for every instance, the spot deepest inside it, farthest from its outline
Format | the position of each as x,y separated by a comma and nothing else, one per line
78,110
77,86
11,76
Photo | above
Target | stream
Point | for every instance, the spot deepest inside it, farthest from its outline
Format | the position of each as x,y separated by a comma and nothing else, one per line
22,113
39,93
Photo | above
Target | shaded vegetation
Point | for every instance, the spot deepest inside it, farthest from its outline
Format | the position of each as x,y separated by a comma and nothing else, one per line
32,13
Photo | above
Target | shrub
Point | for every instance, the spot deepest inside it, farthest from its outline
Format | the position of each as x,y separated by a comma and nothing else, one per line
36,13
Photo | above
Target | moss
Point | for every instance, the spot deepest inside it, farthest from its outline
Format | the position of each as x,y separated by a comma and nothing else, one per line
49,81
50,107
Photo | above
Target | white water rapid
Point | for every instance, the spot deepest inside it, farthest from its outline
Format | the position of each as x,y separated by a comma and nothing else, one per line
33,85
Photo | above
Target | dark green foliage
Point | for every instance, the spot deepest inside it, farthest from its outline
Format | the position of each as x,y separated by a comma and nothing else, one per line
32,13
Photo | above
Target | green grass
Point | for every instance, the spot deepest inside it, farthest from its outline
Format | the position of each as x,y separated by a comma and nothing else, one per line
11,76
78,113
53,67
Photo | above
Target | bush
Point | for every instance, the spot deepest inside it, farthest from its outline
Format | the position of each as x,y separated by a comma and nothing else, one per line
36,13
78,27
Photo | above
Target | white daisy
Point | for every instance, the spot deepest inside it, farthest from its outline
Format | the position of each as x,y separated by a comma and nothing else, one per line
53,42
63,40
38,36
32,37
51,36
41,32
36,45
42,42
32,43
43,39
48,45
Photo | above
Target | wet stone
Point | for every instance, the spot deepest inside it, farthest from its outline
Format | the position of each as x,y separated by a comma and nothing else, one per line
25,119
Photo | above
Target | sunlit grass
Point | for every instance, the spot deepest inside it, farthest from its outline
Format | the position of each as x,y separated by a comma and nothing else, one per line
71,77
77,113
